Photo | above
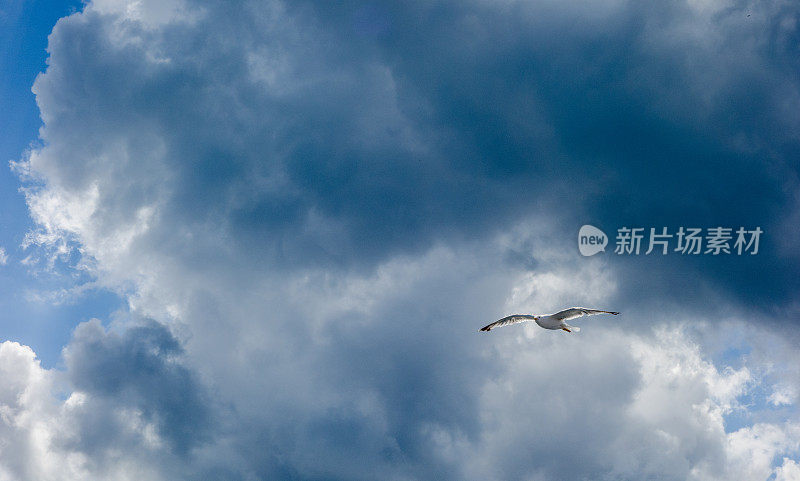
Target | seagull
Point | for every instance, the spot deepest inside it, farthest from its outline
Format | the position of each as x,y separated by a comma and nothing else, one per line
553,321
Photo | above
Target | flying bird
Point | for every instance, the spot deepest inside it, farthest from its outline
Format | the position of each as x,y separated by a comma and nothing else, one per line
553,321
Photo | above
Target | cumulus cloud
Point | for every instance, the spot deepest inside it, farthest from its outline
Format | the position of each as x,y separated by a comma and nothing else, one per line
655,403
317,205
788,471
139,370
620,404
384,373
125,408
297,141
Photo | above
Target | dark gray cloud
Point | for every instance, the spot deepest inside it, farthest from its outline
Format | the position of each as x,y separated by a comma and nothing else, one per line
140,369
344,134
618,114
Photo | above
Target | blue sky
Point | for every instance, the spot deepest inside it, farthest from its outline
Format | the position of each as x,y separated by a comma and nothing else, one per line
259,239
46,327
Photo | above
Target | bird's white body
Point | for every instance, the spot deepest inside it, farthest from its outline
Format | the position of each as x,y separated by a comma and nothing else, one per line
552,321
549,322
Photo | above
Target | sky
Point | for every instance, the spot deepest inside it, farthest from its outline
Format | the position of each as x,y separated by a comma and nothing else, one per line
45,326
257,240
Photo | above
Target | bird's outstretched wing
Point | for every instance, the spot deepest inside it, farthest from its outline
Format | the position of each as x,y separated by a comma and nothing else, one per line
574,312
513,319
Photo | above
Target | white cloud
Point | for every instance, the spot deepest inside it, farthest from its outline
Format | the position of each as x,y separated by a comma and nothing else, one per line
387,364
788,471
28,419
618,404
782,395
112,423
661,413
